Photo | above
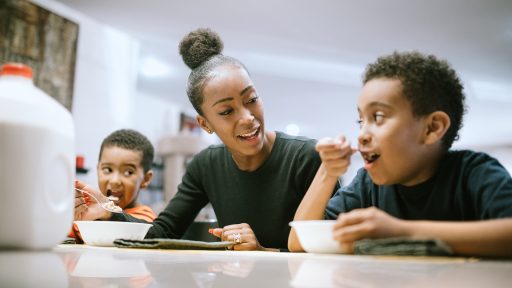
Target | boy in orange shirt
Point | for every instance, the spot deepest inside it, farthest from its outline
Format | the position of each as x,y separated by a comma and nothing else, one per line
412,184
124,167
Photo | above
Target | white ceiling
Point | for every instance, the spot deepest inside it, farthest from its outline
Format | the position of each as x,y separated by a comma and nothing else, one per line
306,56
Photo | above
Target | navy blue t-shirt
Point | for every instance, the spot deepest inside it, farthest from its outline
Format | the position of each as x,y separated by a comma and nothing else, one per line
467,186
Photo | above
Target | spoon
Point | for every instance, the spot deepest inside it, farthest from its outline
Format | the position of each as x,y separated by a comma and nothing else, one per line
109,206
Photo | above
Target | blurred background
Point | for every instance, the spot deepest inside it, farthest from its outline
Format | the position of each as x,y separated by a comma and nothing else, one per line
306,59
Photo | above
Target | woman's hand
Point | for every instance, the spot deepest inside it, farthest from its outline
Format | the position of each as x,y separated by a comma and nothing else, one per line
86,208
366,223
335,154
241,235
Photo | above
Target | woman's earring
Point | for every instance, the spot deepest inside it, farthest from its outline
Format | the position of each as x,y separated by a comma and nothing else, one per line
209,131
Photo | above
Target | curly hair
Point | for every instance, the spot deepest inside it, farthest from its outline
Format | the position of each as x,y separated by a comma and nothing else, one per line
201,50
430,84
131,140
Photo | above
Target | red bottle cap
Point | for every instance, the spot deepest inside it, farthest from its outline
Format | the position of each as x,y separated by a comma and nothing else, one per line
16,69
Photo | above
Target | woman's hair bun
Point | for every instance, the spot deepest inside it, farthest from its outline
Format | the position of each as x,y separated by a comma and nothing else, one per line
200,45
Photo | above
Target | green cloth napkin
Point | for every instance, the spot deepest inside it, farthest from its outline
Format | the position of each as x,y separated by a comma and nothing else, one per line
178,244
402,246
69,240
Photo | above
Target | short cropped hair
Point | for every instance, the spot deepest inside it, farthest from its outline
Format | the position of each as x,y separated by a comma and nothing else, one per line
131,140
429,83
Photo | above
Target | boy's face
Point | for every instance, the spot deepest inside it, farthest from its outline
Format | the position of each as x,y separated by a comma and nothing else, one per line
120,174
391,138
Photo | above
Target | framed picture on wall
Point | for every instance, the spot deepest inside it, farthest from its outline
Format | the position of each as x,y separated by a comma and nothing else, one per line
42,40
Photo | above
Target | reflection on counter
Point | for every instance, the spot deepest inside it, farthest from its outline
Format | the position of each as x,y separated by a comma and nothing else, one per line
32,269
87,266
398,272
103,265
235,268
99,268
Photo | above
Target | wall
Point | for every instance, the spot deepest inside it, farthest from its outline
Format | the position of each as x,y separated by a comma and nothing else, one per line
106,98
105,91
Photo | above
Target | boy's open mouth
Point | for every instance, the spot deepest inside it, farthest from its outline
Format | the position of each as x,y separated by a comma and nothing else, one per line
114,195
370,157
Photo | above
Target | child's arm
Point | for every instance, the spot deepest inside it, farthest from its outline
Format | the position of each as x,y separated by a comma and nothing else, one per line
475,238
313,204
335,155
471,238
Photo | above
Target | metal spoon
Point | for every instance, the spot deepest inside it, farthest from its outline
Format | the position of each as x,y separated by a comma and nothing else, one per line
109,206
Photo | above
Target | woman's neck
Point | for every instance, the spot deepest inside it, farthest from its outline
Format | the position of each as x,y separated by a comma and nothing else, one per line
253,162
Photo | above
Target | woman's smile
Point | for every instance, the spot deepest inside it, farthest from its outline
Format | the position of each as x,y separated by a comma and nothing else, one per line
251,136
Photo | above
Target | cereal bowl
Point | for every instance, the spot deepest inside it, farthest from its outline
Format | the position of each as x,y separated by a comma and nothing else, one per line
315,236
103,233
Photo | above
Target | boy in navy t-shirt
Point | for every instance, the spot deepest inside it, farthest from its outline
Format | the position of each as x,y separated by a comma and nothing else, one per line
412,185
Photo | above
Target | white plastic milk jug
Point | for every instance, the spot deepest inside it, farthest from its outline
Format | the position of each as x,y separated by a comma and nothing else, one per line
36,163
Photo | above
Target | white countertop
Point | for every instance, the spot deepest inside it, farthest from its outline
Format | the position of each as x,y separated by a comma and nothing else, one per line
87,266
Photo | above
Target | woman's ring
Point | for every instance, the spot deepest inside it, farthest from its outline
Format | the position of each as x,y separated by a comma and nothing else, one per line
237,238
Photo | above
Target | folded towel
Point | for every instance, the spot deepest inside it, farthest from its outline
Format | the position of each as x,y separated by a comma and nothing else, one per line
178,244
69,240
402,246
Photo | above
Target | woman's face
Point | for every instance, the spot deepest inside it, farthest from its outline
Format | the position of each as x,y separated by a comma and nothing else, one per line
233,110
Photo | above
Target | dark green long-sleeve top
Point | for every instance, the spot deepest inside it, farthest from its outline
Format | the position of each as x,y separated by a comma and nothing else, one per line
266,199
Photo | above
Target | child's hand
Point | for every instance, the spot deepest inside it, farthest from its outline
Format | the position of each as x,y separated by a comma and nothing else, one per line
85,207
335,154
366,223
241,235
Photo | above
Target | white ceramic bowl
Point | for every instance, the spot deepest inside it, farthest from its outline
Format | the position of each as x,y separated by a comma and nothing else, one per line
315,236
103,233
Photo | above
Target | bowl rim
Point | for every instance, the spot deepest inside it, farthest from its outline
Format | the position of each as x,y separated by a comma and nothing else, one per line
296,223
77,222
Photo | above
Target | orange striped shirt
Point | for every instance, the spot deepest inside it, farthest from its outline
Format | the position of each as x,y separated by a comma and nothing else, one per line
141,212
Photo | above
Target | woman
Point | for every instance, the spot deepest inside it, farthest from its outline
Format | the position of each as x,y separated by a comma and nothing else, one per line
255,180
